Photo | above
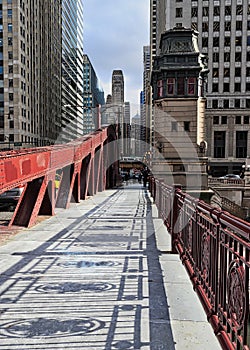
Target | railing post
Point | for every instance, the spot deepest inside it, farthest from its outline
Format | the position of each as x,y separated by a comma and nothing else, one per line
175,215
160,207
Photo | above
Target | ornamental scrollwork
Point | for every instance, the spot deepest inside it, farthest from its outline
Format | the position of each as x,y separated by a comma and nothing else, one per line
236,293
205,251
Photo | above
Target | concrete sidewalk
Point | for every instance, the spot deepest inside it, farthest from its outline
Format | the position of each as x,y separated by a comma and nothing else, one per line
99,276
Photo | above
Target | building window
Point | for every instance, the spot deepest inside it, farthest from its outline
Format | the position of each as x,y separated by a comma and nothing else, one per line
238,25
239,10
227,11
205,11
10,55
174,126
237,87
178,12
247,86
159,88
246,119
216,56
216,119
215,72
247,102
238,119
237,103
227,72
191,86
180,86
194,12
219,144
10,27
227,41
170,86
238,41
227,26
204,42
215,104
215,87
11,137
9,13
241,144
215,41
227,57
216,10
10,41
194,26
237,72
226,87
187,126
216,26
237,56
226,104
205,26
223,119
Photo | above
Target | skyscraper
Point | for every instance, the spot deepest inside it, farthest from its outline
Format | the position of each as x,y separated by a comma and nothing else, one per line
93,97
224,36
117,87
30,72
72,70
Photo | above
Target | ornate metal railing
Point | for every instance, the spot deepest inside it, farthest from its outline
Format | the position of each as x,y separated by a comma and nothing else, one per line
214,247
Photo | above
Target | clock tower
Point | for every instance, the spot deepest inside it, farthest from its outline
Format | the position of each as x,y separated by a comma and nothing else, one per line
178,83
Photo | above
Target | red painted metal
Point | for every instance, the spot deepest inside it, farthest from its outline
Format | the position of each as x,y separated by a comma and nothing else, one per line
83,164
214,247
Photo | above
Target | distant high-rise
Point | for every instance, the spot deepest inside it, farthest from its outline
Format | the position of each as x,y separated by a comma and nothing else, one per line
117,87
224,36
30,77
93,98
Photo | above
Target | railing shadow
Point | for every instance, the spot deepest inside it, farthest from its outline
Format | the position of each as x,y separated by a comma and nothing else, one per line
95,284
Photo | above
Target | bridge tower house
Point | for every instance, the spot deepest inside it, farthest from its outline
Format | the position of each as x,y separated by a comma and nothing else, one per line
178,84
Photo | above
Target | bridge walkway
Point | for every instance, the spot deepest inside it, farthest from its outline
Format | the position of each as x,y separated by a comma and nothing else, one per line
99,276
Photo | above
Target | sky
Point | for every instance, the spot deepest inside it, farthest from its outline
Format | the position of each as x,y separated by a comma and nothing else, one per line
115,32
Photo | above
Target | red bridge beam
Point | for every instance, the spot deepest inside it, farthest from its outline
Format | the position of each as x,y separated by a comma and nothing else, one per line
84,167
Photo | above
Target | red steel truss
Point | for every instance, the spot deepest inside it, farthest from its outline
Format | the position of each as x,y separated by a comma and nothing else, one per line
57,175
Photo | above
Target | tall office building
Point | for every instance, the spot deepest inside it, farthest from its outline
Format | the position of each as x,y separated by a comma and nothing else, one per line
224,36
30,72
118,104
93,98
72,70
117,87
